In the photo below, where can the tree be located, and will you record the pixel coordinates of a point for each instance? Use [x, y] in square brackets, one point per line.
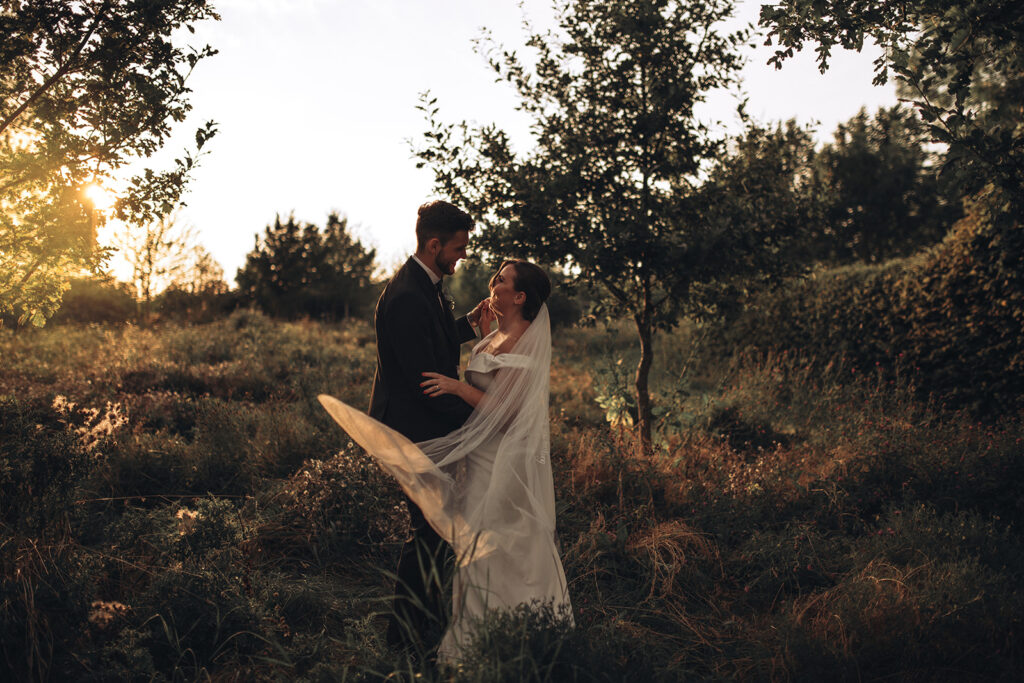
[610, 190]
[870, 195]
[298, 269]
[345, 271]
[768, 182]
[962, 65]
[159, 254]
[198, 292]
[203, 275]
[882, 194]
[85, 88]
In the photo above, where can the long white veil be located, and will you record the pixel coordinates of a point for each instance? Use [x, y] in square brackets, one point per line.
[511, 507]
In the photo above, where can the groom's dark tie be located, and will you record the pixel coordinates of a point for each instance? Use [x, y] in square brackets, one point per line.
[440, 295]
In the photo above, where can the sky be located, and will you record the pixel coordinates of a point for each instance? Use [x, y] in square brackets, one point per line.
[315, 102]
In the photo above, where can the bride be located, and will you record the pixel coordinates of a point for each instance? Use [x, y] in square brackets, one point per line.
[487, 488]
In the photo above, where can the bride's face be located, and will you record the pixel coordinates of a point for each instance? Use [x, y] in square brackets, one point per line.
[504, 296]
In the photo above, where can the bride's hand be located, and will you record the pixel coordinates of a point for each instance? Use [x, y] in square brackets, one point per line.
[437, 384]
[486, 317]
[476, 316]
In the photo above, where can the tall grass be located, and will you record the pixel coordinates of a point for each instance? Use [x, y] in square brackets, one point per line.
[177, 507]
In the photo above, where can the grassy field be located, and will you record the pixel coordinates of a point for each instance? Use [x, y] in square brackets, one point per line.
[176, 506]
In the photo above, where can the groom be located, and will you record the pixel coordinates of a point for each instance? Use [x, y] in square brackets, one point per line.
[417, 333]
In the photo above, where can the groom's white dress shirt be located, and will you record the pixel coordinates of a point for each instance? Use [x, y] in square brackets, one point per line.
[434, 279]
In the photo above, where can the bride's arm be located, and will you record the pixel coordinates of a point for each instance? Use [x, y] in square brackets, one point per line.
[437, 384]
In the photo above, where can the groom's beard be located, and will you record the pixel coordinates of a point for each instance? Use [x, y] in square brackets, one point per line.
[446, 267]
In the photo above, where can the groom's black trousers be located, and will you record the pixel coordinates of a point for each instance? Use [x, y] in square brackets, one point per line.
[419, 613]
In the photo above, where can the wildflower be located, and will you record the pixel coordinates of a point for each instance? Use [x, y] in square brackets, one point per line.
[186, 520]
[62, 405]
[102, 614]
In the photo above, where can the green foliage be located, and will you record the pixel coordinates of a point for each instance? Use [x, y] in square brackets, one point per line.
[883, 196]
[45, 593]
[806, 520]
[41, 464]
[538, 643]
[951, 315]
[336, 505]
[871, 194]
[300, 270]
[608, 189]
[45, 585]
[85, 88]
[961, 64]
[939, 604]
[95, 300]
[760, 196]
[202, 305]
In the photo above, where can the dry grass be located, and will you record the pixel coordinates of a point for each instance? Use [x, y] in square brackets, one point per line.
[796, 525]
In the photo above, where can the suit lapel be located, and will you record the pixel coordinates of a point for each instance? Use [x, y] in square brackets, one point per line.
[443, 314]
[448, 322]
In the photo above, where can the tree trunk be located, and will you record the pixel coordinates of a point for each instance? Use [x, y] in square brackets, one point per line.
[645, 330]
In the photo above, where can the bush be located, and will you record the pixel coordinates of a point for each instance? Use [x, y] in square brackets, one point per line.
[41, 463]
[205, 306]
[801, 519]
[96, 300]
[206, 445]
[46, 590]
[940, 581]
[538, 643]
[194, 616]
[334, 507]
[952, 315]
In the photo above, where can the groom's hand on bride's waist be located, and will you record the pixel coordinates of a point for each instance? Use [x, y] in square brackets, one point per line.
[437, 384]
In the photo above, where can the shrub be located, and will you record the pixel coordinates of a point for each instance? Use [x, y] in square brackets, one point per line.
[96, 300]
[952, 314]
[332, 507]
[41, 463]
[204, 306]
[213, 525]
[538, 643]
[744, 434]
[195, 615]
[936, 607]
[802, 519]
[46, 590]
[217, 456]
[165, 411]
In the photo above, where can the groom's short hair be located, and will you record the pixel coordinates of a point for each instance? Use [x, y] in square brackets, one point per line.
[441, 220]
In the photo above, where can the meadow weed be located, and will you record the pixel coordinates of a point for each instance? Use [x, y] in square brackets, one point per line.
[177, 506]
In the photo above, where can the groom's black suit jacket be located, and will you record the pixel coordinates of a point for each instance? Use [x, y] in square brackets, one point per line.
[415, 334]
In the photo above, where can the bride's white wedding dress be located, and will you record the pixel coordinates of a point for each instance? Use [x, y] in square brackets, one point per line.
[486, 488]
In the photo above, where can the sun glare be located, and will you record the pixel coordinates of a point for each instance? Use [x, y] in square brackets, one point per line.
[21, 139]
[101, 199]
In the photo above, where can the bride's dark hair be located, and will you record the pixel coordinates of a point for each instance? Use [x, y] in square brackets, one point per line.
[532, 281]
